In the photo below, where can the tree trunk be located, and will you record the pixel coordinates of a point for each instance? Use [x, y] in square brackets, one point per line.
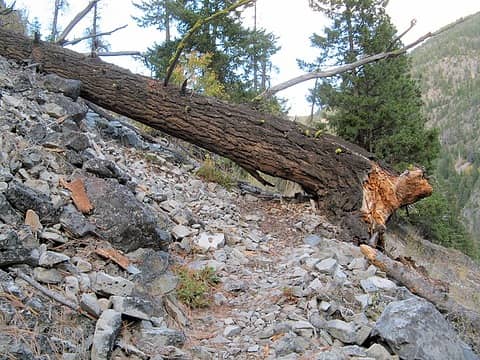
[345, 179]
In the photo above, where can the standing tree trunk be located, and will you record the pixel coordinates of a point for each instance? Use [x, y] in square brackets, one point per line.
[345, 179]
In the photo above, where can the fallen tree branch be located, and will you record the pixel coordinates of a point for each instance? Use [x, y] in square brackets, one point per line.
[120, 53]
[76, 41]
[422, 286]
[347, 67]
[173, 60]
[50, 293]
[75, 21]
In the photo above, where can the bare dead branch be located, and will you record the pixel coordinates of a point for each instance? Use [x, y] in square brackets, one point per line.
[119, 53]
[76, 41]
[399, 37]
[75, 21]
[347, 67]
[50, 293]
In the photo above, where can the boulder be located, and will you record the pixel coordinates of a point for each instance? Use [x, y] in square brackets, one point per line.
[122, 220]
[415, 329]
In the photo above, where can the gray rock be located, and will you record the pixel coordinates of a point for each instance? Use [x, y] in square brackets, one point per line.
[180, 231]
[90, 304]
[150, 340]
[8, 238]
[378, 352]
[75, 222]
[312, 240]
[75, 111]
[72, 287]
[376, 283]
[232, 285]
[47, 276]
[111, 285]
[331, 355]
[154, 280]
[51, 258]
[343, 331]
[106, 332]
[67, 87]
[24, 198]
[133, 306]
[231, 331]
[290, 343]
[83, 265]
[19, 255]
[104, 169]
[326, 266]
[77, 141]
[122, 220]
[415, 329]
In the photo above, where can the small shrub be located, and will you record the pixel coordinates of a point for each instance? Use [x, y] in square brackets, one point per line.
[211, 172]
[194, 287]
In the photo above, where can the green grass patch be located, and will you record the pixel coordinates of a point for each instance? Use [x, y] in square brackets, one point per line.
[210, 171]
[195, 287]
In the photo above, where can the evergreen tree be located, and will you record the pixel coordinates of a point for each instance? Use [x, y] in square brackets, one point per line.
[35, 27]
[227, 43]
[377, 106]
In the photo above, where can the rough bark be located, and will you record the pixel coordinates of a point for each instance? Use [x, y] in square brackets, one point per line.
[346, 180]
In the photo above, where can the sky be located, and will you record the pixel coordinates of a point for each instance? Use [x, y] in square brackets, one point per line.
[291, 20]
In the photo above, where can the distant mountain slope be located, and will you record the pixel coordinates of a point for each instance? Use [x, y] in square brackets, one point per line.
[448, 67]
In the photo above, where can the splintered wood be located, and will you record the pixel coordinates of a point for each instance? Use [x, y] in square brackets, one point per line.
[79, 195]
[383, 193]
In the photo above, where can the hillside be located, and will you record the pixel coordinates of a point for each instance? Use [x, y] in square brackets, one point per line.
[448, 67]
[112, 247]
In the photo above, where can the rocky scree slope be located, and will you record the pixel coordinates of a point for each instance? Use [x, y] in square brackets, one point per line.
[101, 284]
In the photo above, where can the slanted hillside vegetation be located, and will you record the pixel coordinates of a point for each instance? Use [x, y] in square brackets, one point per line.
[448, 69]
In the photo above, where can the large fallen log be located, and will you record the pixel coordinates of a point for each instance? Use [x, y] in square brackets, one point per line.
[346, 180]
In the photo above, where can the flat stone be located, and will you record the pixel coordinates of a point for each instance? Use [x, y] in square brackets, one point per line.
[253, 348]
[378, 352]
[312, 240]
[47, 276]
[343, 331]
[150, 340]
[358, 264]
[326, 266]
[54, 236]
[111, 285]
[106, 331]
[180, 231]
[133, 306]
[90, 304]
[231, 331]
[33, 220]
[83, 265]
[51, 258]
[376, 283]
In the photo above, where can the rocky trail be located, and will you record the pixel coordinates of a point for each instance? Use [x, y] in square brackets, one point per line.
[100, 226]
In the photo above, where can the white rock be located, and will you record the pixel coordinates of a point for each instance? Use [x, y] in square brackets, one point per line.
[375, 283]
[327, 266]
[207, 241]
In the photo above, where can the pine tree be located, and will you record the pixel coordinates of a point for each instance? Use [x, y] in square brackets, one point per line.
[377, 106]
[227, 43]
